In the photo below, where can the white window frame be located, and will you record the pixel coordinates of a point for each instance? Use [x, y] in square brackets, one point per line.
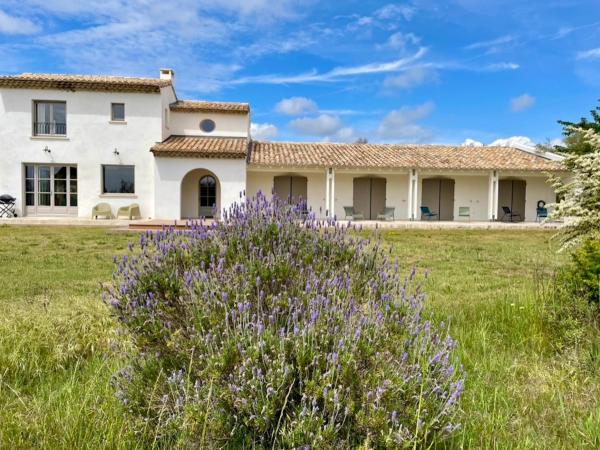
[51, 123]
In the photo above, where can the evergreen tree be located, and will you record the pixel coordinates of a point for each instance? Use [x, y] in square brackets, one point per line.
[575, 143]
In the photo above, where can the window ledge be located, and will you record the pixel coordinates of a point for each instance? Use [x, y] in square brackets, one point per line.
[117, 195]
[118, 122]
[49, 138]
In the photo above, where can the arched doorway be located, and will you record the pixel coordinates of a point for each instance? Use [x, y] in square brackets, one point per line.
[438, 196]
[200, 194]
[369, 196]
[290, 188]
[511, 195]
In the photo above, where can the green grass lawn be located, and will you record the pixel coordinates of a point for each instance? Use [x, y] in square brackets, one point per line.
[533, 369]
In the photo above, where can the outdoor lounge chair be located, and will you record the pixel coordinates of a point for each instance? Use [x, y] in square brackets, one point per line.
[7, 206]
[349, 212]
[541, 212]
[464, 212]
[386, 214]
[425, 212]
[510, 214]
[102, 210]
[130, 212]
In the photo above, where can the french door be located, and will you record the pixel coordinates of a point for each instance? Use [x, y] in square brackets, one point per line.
[50, 189]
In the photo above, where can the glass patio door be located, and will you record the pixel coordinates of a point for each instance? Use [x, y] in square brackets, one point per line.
[50, 189]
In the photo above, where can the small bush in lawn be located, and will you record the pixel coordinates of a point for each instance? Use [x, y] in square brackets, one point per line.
[582, 276]
[271, 330]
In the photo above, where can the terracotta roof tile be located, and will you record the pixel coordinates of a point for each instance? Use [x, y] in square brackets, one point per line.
[202, 106]
[202, 147]
[297, 154]
[83, 83]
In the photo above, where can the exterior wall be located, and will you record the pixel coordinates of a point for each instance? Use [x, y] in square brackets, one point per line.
[188, 123]
[90, 142]
[396, 192]
[315, 187]
[167, 97]
[472, 191]
[169, 175]
[537, 189]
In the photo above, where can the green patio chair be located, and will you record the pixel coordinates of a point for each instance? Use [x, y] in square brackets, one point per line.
[351, 213]
[426, 212]
[102, 210]
[130, 212]
[464, 212]
[386, 214]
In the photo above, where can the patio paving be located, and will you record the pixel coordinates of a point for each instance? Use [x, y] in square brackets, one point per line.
[155, 224]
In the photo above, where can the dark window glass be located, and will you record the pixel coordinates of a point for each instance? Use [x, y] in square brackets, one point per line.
[60, 199]
[208, 191]
[118, 180]
[207, 125]
[44, 199]
[60, 172]
[44, 172]
[118, 111]
[73, 173]
[30, 199]
[29, 171]
[73, 199]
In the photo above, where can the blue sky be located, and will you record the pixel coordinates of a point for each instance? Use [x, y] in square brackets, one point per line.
[415, 71]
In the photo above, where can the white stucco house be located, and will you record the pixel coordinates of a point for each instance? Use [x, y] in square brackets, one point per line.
[69, 142]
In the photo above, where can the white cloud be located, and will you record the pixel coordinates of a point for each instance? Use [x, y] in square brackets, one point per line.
[491, 43]
[346, 134]
[522, 102]
[402, 123]
[471, 143]
[497, 67]
[393, 11]
[335, 74]
[135, 37]
[411, 78]
[589, 54]
[514, 141]
[399, 40]
[296, 106]
[322, 126]
[263, 131]
[16, 25]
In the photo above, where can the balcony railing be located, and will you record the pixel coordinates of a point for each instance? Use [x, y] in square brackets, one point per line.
[49, 128]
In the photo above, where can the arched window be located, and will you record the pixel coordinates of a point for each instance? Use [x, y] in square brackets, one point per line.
[208, 191]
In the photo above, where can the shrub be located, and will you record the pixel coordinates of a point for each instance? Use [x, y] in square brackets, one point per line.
[270, 329]
[582, 276]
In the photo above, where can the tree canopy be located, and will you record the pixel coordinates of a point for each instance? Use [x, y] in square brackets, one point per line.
[575, 142]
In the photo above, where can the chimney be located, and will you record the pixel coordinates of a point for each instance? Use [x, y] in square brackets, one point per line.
[168, 74]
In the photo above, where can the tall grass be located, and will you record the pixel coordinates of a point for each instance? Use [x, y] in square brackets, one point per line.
[533, 365]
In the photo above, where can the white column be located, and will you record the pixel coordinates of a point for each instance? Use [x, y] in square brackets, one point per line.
[327, 193]
[493, 196]
[409, 206]
[332, 201]
[413, 194]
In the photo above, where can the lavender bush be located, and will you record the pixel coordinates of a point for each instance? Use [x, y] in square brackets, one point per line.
[271, 330]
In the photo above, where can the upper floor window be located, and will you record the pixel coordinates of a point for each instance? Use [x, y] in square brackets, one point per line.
[117, 112]
[50, 118]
